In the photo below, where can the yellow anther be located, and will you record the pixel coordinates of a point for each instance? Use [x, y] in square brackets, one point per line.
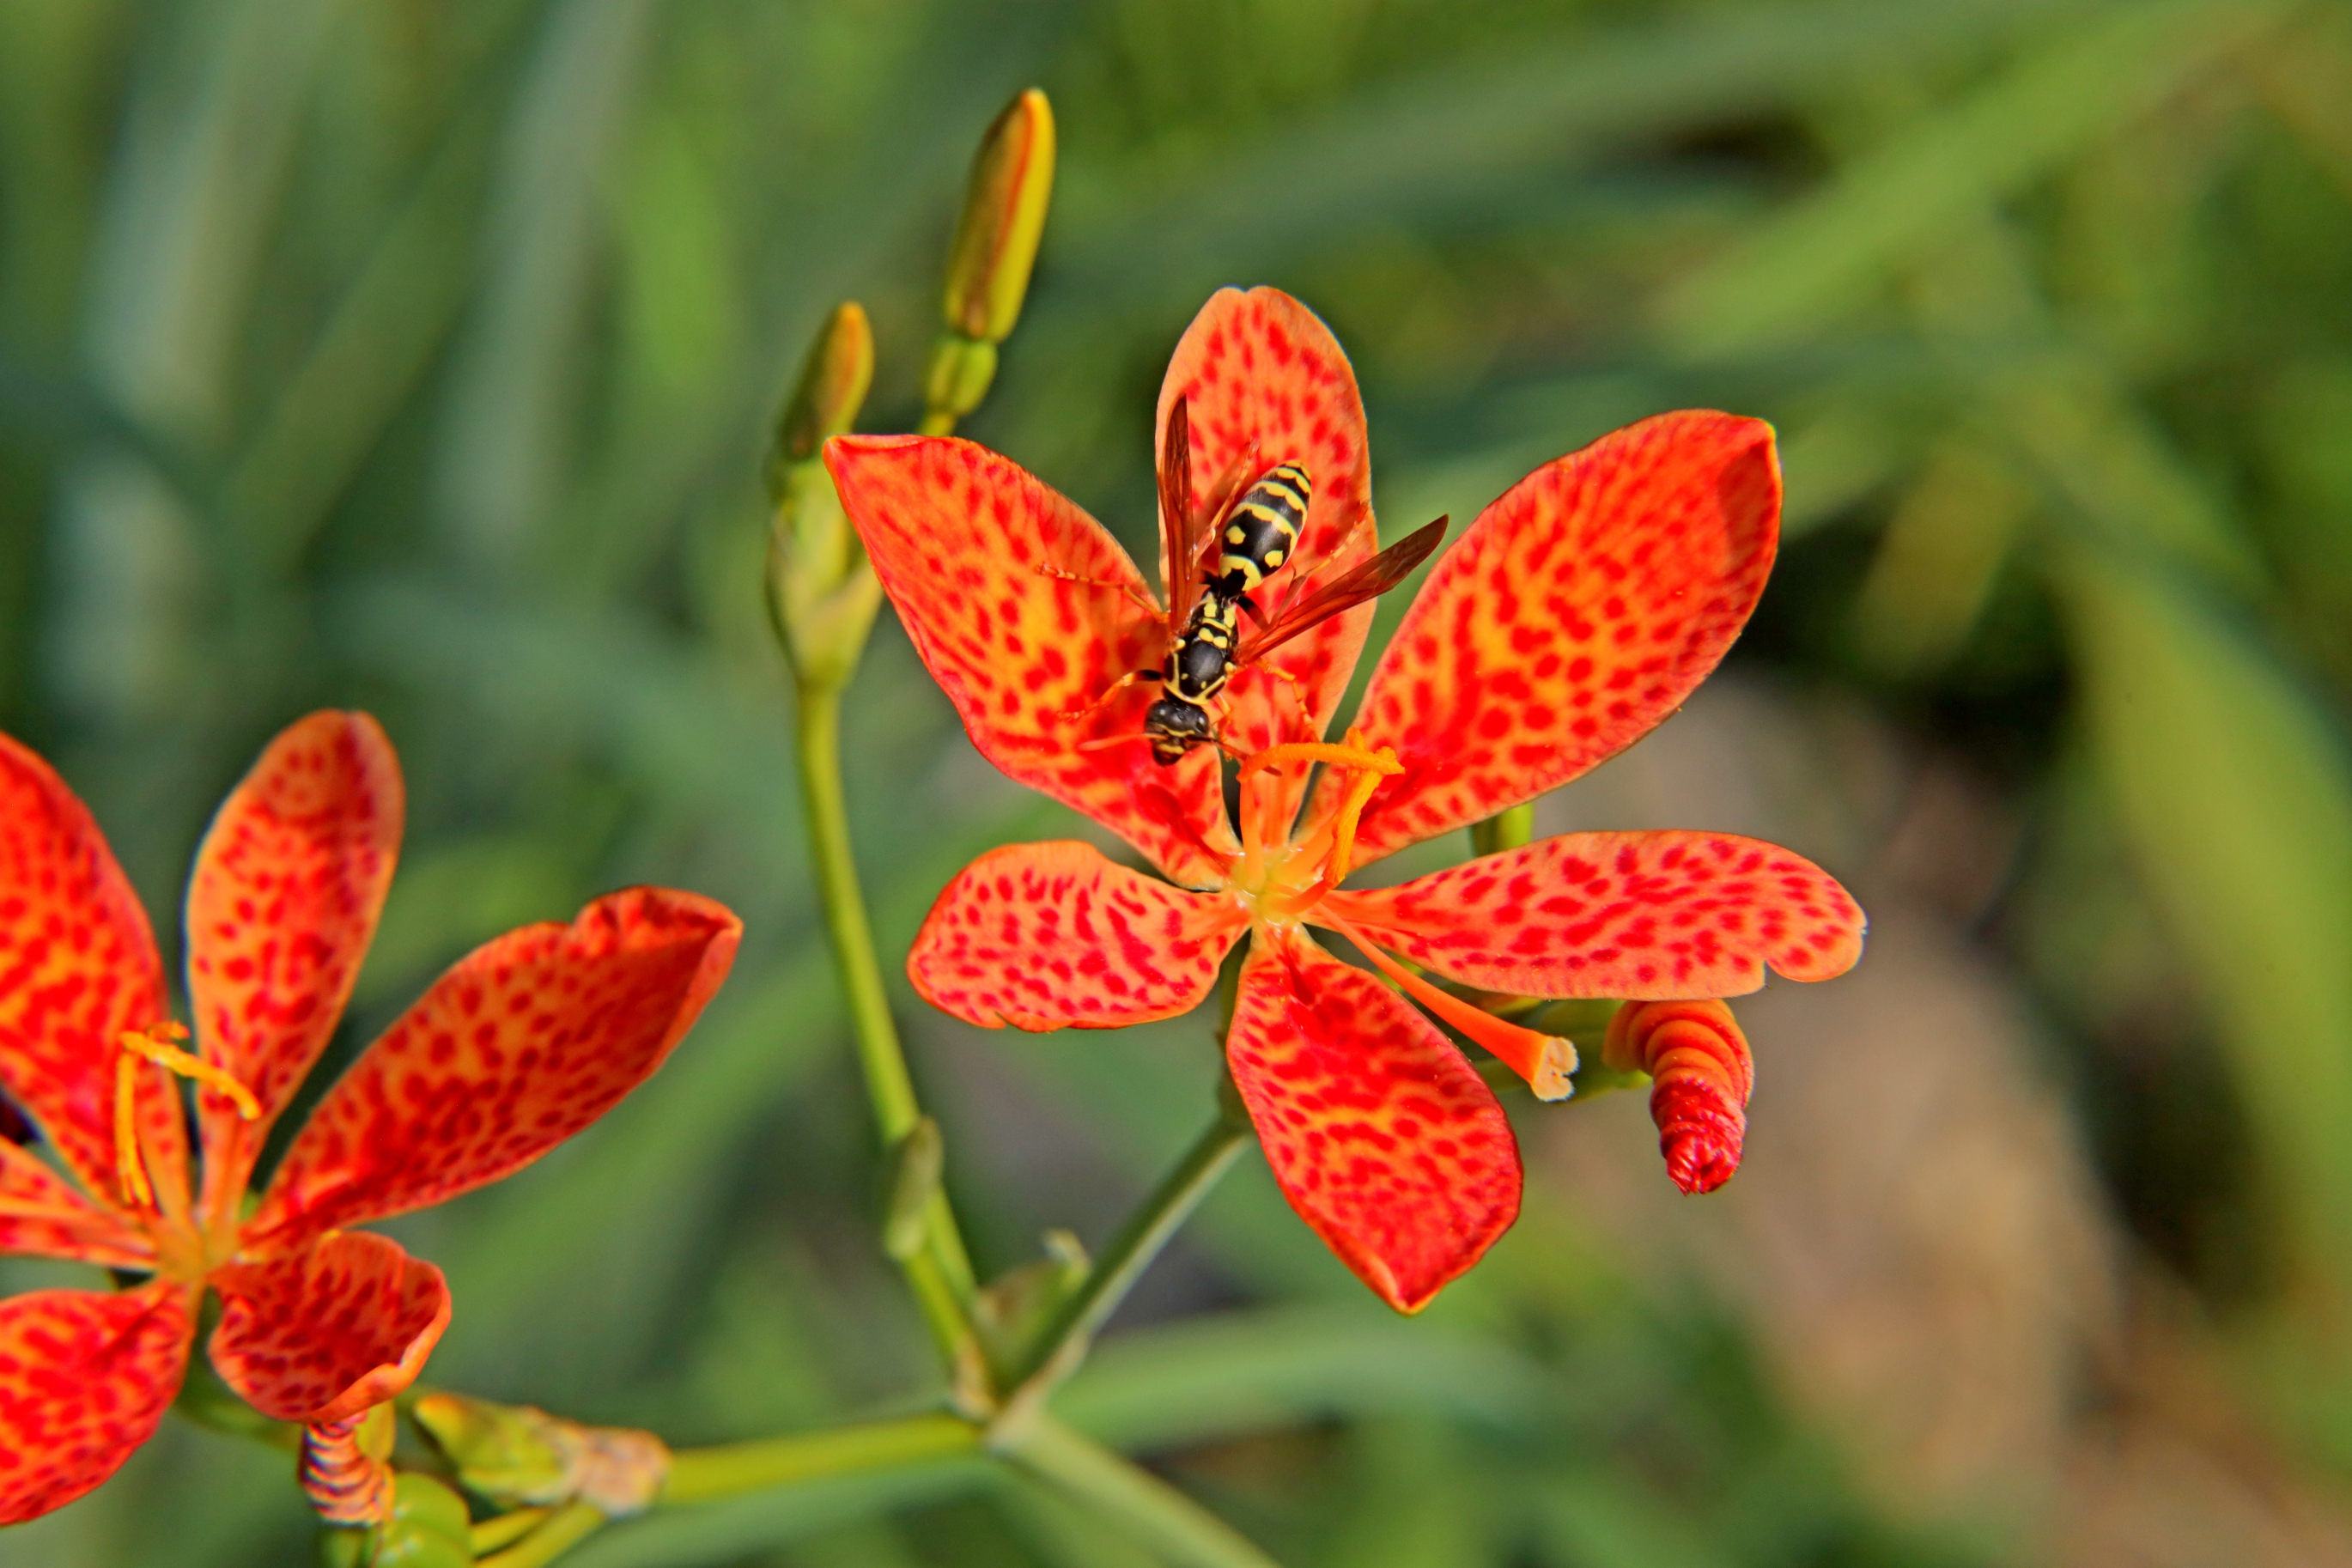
[187, 1064]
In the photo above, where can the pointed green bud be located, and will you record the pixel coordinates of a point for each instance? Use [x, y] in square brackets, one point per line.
[915, 1172]
[834, 379]
[498, 1451]
[822, 597]
[1004, 215]
[518, 1454]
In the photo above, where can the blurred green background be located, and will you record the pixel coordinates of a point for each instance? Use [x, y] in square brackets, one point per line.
[416, 354]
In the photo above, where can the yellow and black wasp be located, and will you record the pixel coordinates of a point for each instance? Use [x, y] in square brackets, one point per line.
[1254, 537]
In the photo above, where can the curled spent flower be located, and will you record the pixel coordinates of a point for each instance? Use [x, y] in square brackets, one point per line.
[518, 1047]
[1700, 1077]
[1575, 614]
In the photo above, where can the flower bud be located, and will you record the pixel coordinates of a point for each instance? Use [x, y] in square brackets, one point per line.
[834, 379]
[957, 378]
[822, 597]
[1004, 215]
[1700, 1075]
[916, 1167]
[517, 1454]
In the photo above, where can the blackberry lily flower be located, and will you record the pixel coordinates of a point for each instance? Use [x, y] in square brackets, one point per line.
[522, 1044]
[1575, 614]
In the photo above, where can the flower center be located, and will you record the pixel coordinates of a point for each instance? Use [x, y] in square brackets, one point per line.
[1294, 879]
[155, 1044]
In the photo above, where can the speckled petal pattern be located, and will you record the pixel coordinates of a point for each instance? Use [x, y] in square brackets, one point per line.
[1619, 914]
[42, 1216]
[77, 970]
[1383, 1138]
[1028, 613]
[281, 907]
[523, 1043]
[84, 1378]
[1571, 617]
[320, 1335]
[1043, 936]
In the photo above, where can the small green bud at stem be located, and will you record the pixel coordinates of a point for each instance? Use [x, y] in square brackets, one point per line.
[914, 1182]
[1004, 215]
[834, 379]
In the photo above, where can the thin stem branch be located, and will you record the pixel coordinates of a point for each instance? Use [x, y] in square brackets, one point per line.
[1147, 1507]
[565, 1528]
[705, 1475]
[1149, 1229]
[887, 1082]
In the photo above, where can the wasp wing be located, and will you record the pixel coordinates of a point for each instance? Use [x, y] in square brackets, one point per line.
[1369, 580]
[1179, 525]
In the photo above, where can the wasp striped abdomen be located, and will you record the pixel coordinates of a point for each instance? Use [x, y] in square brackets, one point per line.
[1261, 534]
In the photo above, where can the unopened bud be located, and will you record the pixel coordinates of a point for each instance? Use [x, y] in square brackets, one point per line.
[821, 594]
[834, 379]
[518, 1454]
[1701, 1073]
[1004, 215]
[915, 1174]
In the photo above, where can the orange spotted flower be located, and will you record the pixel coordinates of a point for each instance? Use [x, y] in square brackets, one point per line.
[520, 1046]
[1574, 615]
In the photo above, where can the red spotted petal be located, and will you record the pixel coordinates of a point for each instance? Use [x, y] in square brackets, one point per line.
[1041, 936]
[1385, 1139]
[1265, 382]
[84, 1378]
[1028, 613]
[1701, 1075]
[524, 1042]
[77, 970]
[280, 910]
[1619, 914]
[42, 1214]
[1574, 615]
[321, 1334]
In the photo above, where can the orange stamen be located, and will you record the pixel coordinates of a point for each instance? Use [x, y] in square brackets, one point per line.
[129, 1171]
[154, 1044]
[1370, 768]
[1546, 1061]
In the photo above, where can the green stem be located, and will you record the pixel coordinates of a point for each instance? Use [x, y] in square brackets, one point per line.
[565, 1528]
[888, 1083]
[1147, 1230]
[936, 422]
[941, 1273]
[1509, 830]
[1147, 1507]
[705, 1475]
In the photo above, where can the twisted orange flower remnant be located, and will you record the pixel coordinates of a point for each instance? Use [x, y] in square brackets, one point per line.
[1573, 616]
[519, 1046]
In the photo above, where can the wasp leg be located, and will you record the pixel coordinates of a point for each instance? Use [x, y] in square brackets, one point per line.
[1121, 684]
[1150, 605]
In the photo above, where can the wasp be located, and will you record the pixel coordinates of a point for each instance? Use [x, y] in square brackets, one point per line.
[1254, 537]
